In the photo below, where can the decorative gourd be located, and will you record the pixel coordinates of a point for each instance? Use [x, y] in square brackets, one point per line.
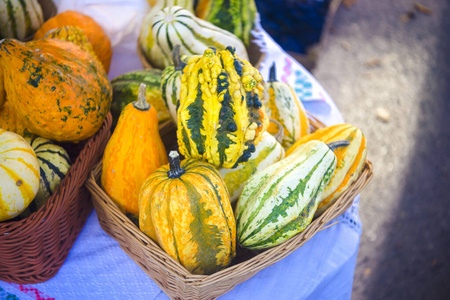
[94, 32]
[54, 163]
[285, 107]
[134, 151]
[19, 174]
[58, 91]
[237, 17]
[280, 201]
[268, 151]
[20, 19]
[2, 89]
[350, 160]
[126, 89]
[221, 117]
[187, 210]
[177, 26]
[9, 120]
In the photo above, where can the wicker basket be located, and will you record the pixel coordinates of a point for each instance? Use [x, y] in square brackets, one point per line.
[33, 249]
[173, 278]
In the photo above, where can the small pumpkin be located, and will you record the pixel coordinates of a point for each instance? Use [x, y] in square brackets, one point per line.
[57, 90]
[9, 120]
[186, 208]
[221, 117]
[285, 107]
[134, 151]
[95, 34]
[19, 175]
[20, 19]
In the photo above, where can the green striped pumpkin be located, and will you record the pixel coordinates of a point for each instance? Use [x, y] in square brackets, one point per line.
[177, 26]
[126, 89]
[20, 19]
[280, 201]
[54, 163]
[237, 17]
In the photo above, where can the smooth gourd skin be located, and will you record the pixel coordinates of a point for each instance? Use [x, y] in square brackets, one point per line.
[350, 159]
[221, 116]
[19, 175]
[58, 91]
[190, 216]
[20, 19]
[280, 201]
[97, 37]
[134, 151]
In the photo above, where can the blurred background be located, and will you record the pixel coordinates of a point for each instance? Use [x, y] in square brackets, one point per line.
[386, 65]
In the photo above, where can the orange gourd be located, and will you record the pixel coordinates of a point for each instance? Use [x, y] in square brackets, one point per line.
[2, 90]
[9, 120]
[134, 151]
[94, 32]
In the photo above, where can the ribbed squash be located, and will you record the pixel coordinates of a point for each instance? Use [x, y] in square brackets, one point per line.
[186, 208]
[19, 175]
[58, 91]
[267, 152]
[350, 160]
[221, 116]
[126, 89]
[237, 17]
[54, 163]
[280, 201]
[20, 19]
[9, 120]
[97, 37]
[285, 107]
[134, 151]
[177, 26]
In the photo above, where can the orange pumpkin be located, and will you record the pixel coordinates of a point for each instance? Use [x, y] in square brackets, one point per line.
[94, 32]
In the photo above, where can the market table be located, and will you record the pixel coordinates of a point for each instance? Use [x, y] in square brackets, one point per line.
[97, 268]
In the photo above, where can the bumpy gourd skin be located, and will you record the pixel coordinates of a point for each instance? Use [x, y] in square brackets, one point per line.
[221, 116]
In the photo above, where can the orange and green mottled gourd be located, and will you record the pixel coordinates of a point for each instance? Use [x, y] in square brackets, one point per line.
[9, 120]
[19, 175]
[221, 114]
[350, 160]
[58, 91]
[285, 107]
[2, 89]
[134, 151]
[95, 34]
[188, 208]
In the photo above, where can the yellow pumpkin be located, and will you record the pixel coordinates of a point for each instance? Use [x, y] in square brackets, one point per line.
[19, 175]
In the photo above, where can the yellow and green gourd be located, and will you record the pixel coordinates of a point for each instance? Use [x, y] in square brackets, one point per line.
[221, 117]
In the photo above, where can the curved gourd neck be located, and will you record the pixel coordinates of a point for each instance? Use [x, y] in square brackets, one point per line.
[175, 170]
[177, 62]
[338, 144]
[142, 103]
[273, 73]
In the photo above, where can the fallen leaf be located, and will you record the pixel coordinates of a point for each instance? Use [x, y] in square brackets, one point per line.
[405, 18]
[373, 62]
[423, 9]
[383, 114]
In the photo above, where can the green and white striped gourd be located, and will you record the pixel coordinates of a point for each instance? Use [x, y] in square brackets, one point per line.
[280, 201]
[177, 26]
[54, 163]
[237, 17]
[267, 152]
[20, 19]
[285, 107]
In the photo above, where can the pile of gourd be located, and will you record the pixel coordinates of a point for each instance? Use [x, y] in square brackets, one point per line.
[54, 92]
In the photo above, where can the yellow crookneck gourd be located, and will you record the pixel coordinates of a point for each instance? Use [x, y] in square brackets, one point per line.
[134, 151]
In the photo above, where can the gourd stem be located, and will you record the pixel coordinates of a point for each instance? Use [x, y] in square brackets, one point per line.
[179, 65]
[338, 144]
[142, 103]
[273, 73]
[175, 170]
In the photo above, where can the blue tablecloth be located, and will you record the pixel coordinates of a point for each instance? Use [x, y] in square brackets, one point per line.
[97, 268]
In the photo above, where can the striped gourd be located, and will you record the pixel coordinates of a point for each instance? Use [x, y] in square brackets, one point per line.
[186, 208]
[177, 26]
[285, 107]
[19, 175]
[280, 201]
[237, 17]
[221, 116]
[126, 89]
[20, 19]
[54, 163]
[268, 151]
[9, 120]
[350, 160]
